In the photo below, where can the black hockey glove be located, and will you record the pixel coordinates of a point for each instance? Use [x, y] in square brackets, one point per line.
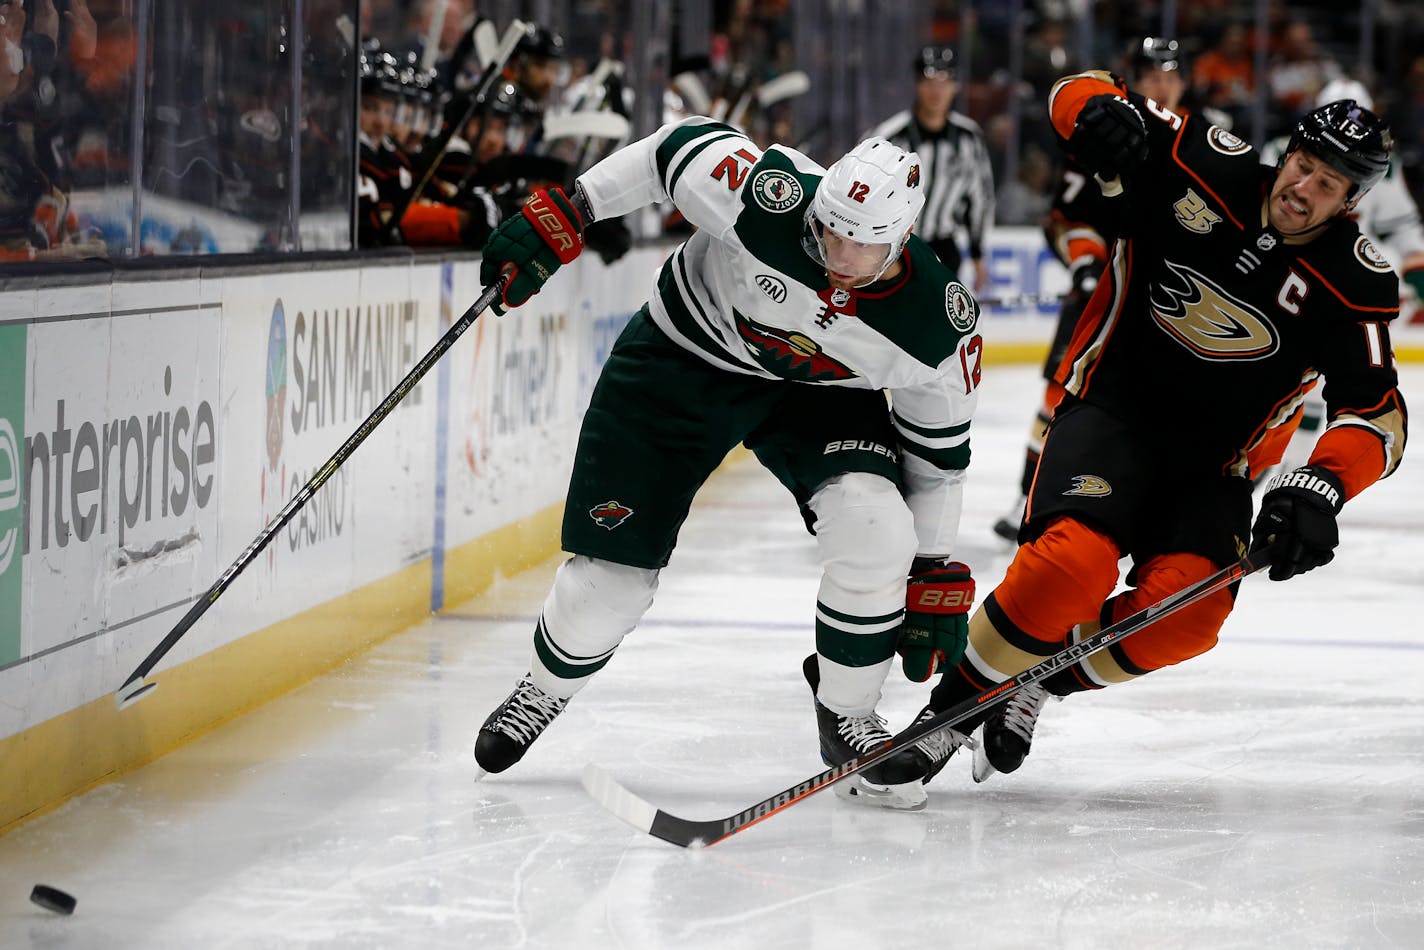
[935, 630]
[609, 238]
[532, 245]
[1297, 519]
[1109, 138]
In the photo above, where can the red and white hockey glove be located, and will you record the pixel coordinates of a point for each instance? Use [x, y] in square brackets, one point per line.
[935, 630]
[532, 245]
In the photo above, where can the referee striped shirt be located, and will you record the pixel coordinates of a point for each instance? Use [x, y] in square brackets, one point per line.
[958, 182]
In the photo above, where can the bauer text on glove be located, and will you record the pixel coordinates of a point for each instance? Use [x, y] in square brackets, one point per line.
[935, 630]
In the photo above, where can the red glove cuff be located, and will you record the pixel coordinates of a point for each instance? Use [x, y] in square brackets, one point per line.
[944, 590]
[556, 221]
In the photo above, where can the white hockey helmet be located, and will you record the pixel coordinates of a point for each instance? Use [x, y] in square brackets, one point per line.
[871, 196]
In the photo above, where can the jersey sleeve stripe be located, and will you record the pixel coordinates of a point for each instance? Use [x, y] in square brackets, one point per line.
[956, 458]
[697, 148]
[683, 136]
[683, 310]
[929, 432]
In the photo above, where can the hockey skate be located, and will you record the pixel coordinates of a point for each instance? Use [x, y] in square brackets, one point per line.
[894, 783]
[1007, 527]
[1008, 732]
[514, 725]
[940, 746]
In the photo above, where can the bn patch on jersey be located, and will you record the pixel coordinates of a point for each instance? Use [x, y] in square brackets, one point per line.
[1370, 256]
[776, 191]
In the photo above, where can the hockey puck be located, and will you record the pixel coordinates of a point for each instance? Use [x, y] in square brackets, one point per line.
[52, 898]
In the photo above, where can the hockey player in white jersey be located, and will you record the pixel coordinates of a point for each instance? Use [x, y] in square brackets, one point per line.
[801, 301]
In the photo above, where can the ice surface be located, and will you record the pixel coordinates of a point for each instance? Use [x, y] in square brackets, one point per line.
[1268, 794]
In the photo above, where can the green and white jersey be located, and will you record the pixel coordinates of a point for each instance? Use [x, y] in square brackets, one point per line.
[743, 294]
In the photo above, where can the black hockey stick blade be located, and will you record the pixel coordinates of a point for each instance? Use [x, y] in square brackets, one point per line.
[693, 833]
[134, 688]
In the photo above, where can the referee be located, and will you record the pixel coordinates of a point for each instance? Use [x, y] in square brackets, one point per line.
[959, 185]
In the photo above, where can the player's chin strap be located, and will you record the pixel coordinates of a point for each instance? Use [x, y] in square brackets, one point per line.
[687, 832]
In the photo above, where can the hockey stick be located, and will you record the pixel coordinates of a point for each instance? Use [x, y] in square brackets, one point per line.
[436, 149]
[785, 86]
[689, 832]
[586, 124]
[134, 688]
[1010, 301]
[693, 92]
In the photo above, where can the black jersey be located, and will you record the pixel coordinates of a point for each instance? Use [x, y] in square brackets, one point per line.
[1209, 324]
[383, 186]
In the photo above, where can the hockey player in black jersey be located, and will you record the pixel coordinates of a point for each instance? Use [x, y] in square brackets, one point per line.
[1080, 229]
[1231, 286]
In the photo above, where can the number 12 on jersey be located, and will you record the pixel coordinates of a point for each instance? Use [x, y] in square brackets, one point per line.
[731, 171]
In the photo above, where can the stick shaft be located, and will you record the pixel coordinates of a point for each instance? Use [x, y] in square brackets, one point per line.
[304, 494]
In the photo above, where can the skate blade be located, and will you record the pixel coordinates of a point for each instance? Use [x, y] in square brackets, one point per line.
[983, 770]
[907, 797]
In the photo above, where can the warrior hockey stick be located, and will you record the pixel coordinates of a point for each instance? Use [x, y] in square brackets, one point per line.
[688, 832]
[134, 688]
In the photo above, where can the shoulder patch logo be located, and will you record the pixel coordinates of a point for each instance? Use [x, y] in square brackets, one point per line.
[960, 307]
[913, 178]
[776, 191]
[1194, 215]
[1224, 142]
[773, 286]
[1370, 256]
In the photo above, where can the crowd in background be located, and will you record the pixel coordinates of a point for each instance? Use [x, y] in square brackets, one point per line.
[221, 127]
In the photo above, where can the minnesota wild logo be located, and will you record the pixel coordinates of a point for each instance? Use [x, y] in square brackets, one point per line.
[913, 178]
[789, 354]
[610, 514]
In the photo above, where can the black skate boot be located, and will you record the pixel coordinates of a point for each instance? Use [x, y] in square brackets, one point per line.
[1007, 527]
[895, 782]
[940, 746]
[1008, 732]
[512, 728]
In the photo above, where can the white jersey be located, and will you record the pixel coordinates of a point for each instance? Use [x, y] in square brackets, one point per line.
[743, 295]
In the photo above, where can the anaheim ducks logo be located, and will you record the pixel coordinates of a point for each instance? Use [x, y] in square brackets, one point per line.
[1207, 320]
[1089, 485]
[790, 355]
[610, 514]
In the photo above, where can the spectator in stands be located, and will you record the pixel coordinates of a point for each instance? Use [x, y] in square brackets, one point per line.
[393, 206]
[1224, 75]
[1298, 73]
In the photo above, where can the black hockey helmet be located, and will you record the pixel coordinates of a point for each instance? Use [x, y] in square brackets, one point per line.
[380, 72]
[1349, 138]
[542, 43]
[935, 60]
[1154, 52]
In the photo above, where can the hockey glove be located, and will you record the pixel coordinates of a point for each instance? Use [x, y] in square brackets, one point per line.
[1083, 277]
[532, 245]
[1109, 138]
[935, 630]
[1297, 519]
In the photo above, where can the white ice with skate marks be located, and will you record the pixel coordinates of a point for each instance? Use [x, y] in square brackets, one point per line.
[1267, 794]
